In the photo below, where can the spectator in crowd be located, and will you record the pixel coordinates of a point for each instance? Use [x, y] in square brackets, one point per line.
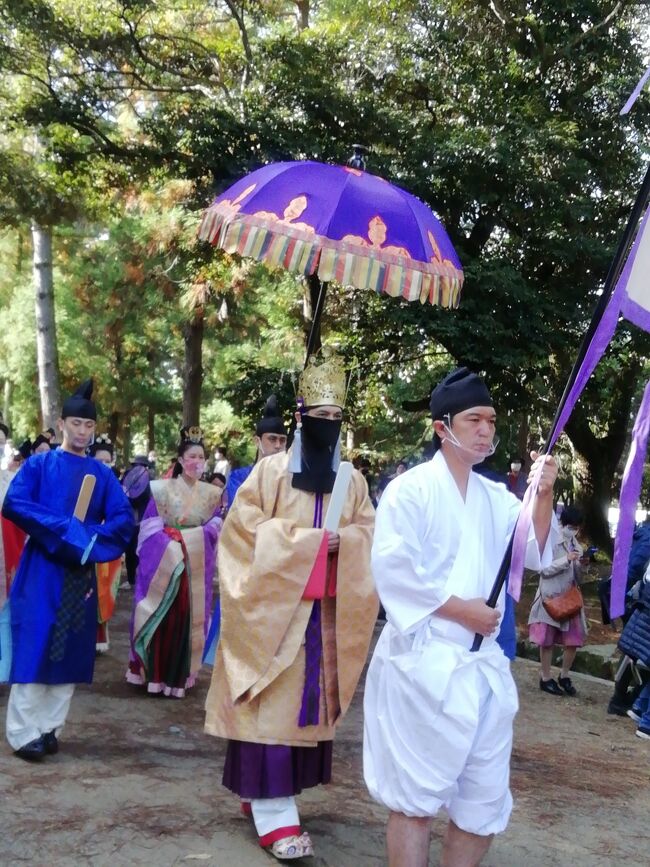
[516, 478]
[554, 580]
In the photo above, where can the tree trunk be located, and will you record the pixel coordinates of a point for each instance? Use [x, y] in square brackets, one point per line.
[303, 14]
[6, 402]
[114, 426]
[593, 483]
[598, 457]
[126, 438]
[193, 369]
[523, 433]
[46, 350]
[151, 429]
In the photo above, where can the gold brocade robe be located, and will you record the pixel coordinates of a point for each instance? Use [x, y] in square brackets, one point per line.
[266, 552]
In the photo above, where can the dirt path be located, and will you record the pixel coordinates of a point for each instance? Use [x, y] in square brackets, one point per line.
[138, 783]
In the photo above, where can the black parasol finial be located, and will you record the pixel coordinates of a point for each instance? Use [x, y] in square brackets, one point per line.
[358, 158]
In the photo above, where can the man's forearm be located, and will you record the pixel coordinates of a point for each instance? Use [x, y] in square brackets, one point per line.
[453, 609]
[542, 513]
[473, 614]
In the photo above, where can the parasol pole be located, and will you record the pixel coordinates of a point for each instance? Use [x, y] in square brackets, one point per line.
[317, 293]
[611, 280]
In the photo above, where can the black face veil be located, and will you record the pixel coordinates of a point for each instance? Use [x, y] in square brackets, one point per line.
[318, 441]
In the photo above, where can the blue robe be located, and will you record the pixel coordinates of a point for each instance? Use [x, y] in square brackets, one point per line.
[235, 479]
[41, 500]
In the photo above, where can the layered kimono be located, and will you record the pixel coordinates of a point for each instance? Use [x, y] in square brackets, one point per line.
[177, 547]
[53, 598]
[12, 542]
[108, 582]
[428, 699]
[287, 667]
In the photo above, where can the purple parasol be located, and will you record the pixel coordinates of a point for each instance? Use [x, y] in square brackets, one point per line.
[341, 224]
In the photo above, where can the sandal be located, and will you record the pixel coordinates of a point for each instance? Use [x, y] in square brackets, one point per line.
[292, 847]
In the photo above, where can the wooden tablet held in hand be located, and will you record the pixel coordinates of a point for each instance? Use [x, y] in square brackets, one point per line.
[83, 499]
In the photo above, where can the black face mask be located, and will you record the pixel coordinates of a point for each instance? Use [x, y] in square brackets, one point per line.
[319, 437]
[320, 432]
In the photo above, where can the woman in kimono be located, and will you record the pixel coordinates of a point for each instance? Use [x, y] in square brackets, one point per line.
[108, 574]
[173, 587]
[547, 633]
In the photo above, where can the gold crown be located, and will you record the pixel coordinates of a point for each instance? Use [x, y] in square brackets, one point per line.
[323, 383]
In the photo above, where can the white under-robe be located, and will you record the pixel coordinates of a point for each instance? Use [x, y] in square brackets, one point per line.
[437, 718]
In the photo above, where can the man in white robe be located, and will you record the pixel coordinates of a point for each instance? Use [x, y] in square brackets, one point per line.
[438, 718]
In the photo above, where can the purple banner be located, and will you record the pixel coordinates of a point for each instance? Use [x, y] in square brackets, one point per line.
[636, 92]
[630, 491]
[618, 304]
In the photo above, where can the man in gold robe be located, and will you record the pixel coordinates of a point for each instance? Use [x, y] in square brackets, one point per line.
[291, 652]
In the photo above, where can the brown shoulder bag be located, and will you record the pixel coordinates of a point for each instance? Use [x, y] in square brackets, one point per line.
[566, 605]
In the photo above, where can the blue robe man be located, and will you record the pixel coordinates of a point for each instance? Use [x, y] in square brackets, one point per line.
[270, 438]
[53, 599]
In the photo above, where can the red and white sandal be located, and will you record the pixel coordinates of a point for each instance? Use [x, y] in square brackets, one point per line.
[292, 847]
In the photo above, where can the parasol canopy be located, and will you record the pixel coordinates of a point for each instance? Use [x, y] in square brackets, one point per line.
[339, 224]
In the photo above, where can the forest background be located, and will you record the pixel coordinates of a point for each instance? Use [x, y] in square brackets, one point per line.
[122, 120]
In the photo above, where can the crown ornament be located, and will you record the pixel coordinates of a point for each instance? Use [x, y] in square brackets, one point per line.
[193, 434]
[323, 381]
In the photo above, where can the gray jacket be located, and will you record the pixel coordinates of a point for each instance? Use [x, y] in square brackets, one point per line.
[555, 579]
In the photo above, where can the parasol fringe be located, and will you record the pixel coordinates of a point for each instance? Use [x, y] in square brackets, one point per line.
[304, 253]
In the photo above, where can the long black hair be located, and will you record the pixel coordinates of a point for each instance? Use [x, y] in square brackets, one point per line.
[571, 516]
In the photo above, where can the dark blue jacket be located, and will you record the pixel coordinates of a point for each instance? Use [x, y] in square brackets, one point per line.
[635, 638]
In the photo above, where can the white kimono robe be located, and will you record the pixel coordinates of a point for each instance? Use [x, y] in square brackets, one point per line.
[438, 719]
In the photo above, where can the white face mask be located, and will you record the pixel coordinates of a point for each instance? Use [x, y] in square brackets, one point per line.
[193, 467]
[480, 456]
[568, 533]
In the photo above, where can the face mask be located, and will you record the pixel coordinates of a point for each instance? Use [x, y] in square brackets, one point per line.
[515, 467]
[480, 456]
[567, 533]
[193, 468]
[322, 432]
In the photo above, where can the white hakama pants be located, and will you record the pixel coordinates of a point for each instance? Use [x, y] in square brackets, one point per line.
[275, 818]
[34, 709]
[438, 730]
